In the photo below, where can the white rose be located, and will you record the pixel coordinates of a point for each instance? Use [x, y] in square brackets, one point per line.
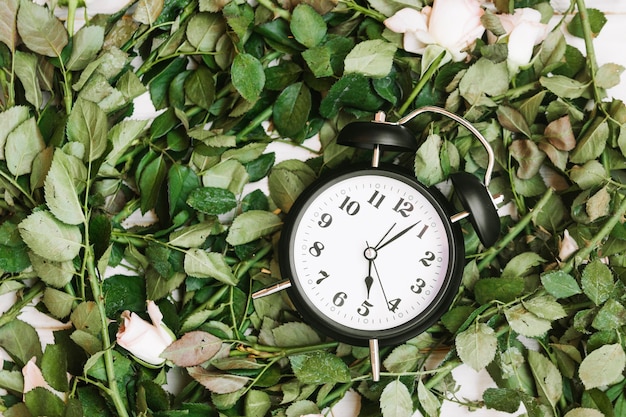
[146, 341]
[452, 24]
[524, 30]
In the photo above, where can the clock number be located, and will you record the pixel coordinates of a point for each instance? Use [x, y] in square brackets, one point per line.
[350, 207]
[316, 249]
[324, 275]
[325, 220]
[421, 233]
[403, 207]
[340, 298]
[393, 304]
[364, 310]
[428, 259]
[376, 199]
[418, 286]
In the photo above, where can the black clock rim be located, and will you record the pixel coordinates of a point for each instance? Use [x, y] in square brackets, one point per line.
[396, 334]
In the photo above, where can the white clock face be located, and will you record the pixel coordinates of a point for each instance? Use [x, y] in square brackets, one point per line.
[370, 252]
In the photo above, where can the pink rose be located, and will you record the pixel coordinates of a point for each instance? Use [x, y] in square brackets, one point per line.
[452, 24]
[524, 30]
[146, 341]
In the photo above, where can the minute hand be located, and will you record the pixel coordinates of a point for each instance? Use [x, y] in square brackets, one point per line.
[391, 239]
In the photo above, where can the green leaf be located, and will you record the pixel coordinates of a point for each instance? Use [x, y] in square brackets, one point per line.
[502, 399]
[596, 21]
[307, 26]
[603, 366]
[597, 282]
[54, 273]
[212, 200]
[477, 345]
[403, 358]
[22, 146]
[429, 401]
[560, 284]
[257, 403]
[202, 264]
[122, 136]
[200, 87]
[252, 225]
[49, 238]
[484, 78]
[9, 120]
[395, 400]
[611, 316]
[547, 377]
[501, 289]
[63, 185]
[40, 31]
[86, 44]
[608, 75]
[287, 180]
[521, 265]
[86, 317]
[147, 11]
[123, 293]
[204, 30]
[54, 367]
[159, 85]
[526, 323]
[564, 87]
[26, 71]
[427, 163]
[181, 181]
[42, 402]
[291, 110]
[545, 307]
[592, 143]
[295, 334]
[218, 382]
[248, 76]
[351, 91]
[151, 181]
[372, 58]
[8, 19]
[58, 303]
[193, 348]
[584, 412]
[20, 340]
[14, 258]
[230, 175]
[513, 120]
[195, 235]
[87, 125]
[319, 367]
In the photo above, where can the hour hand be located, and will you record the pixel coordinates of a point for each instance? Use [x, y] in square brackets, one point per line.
[369, 280]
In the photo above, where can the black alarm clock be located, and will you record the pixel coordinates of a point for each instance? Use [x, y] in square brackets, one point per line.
[370, 255]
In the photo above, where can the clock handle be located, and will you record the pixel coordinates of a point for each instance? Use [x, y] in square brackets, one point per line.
[479, 204]
[432, 109]
[375, 359]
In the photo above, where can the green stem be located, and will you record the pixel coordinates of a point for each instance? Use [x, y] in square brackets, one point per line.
[591, 53]
[421, 83]
[112, 390]
[12, 313]
[594, 243]
[278, 11]
[15, 184]
[515, 231]
[260, 118]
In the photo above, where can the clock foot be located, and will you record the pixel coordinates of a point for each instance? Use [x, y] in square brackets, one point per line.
[375, 359]
[273, 289]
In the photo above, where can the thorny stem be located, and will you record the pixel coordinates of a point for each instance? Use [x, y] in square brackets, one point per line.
[591, 54]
